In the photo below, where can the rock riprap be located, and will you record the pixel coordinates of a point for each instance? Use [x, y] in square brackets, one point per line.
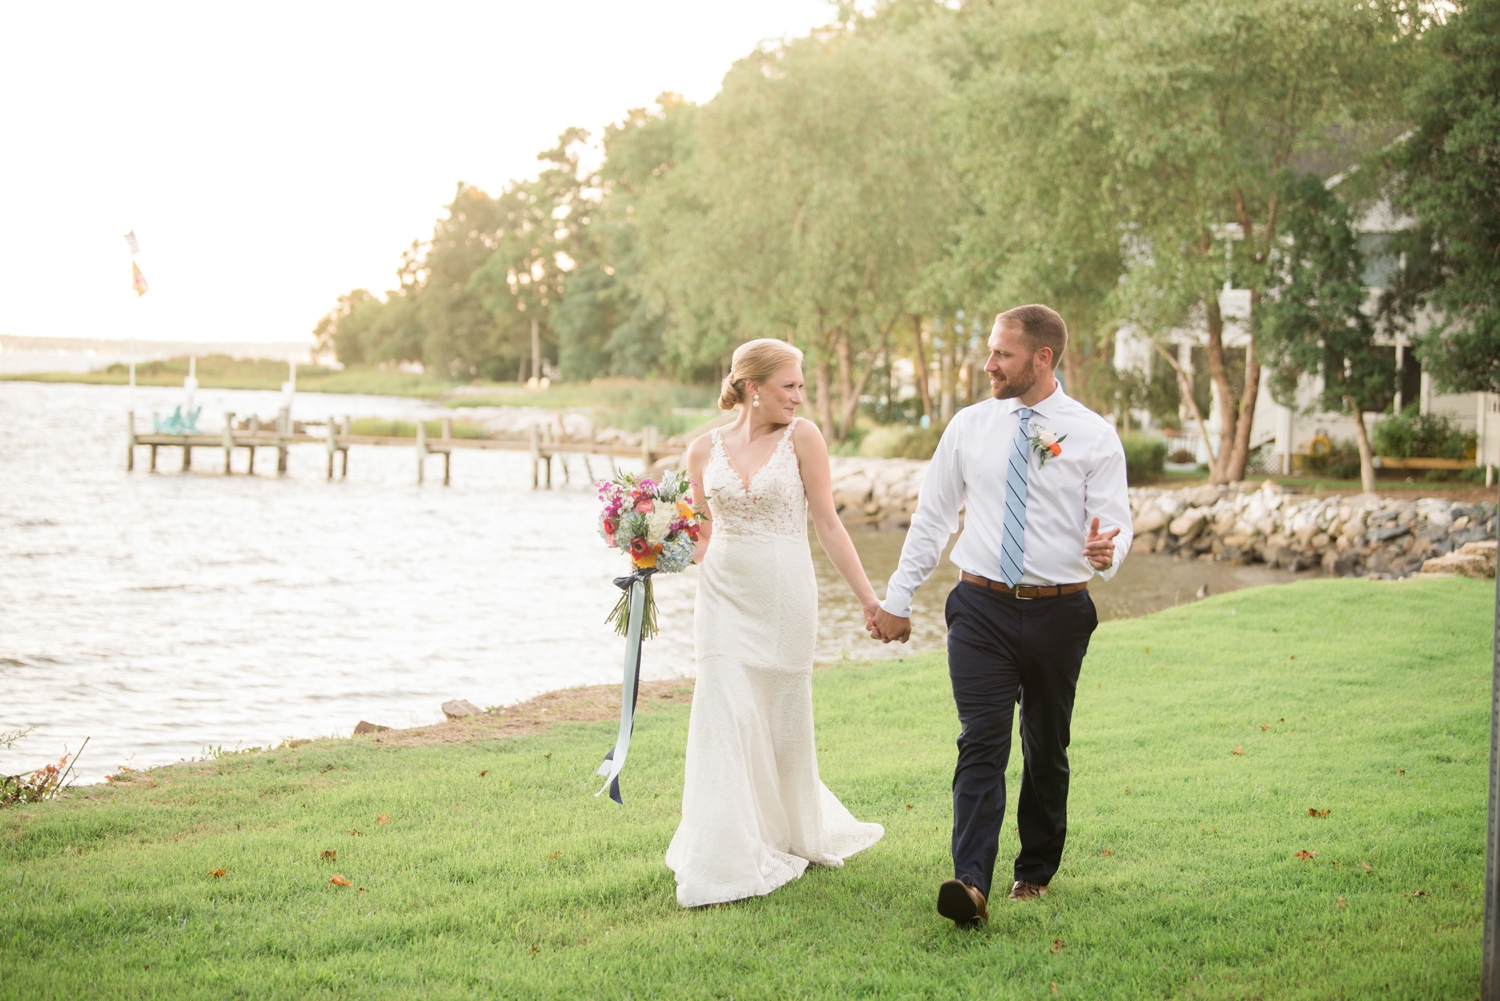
[1360, 535]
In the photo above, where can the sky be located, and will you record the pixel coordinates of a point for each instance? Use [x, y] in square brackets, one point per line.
[271, 156]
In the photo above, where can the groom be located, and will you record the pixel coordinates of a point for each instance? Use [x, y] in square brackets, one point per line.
[1037, 473]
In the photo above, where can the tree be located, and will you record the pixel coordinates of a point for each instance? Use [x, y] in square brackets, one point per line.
[1208, 103]
[817, 191]
[542, 231]
[1312, 320]
[1446, 173]
[339, 329]
[607, 320]
[1042, 222]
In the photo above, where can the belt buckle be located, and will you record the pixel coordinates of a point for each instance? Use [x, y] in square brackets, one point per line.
[1016, 592]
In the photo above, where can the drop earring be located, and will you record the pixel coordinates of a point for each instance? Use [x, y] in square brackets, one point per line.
[755, 402]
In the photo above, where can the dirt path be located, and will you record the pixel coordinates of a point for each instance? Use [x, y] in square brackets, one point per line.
[592, 704]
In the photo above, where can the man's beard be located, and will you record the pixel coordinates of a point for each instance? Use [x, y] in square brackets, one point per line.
[1012, 388]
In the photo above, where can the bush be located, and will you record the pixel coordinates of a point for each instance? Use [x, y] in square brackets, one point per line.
[1145, 458]
[1181, 457]
[892, 441]
[1339, 462]
[1421, 436]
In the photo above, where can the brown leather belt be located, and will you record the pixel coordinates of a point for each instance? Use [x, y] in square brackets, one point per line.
[1023, 591]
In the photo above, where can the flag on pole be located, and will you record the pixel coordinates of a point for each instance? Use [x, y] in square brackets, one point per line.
[135, 246]
[137, 279]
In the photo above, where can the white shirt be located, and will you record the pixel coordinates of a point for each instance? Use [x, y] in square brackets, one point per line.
[1085, 481]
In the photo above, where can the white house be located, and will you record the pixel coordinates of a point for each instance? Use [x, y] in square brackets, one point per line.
[1285, 430]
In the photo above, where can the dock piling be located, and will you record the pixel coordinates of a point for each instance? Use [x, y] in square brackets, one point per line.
[648, 445]
[421, 450]
[536, 456]
[129, 441]
[228, 440]
[333, 444]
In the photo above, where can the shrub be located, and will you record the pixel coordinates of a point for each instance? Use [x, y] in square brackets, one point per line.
[1420, 436]
[1145, 458]
[885, 442]
[1339, 462]
[1181, 457]
[922, 442]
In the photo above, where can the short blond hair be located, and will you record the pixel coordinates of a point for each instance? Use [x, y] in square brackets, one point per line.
[1041, 326]
[755, 361]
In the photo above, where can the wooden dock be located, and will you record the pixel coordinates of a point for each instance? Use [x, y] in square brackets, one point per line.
[337, 440]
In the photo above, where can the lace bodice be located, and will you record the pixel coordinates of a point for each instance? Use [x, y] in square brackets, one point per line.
[772, 503]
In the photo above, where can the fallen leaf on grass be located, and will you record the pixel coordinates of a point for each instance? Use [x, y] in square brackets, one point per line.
[382, 819]
[326, 770]
[360, 890]
[1366, 867]
[533, 950]
[1054, 987]
[1057, 945]
[216, 873]
[555, 855]
[1282, 720]
[484, 773]
[1336, 864]
[1238, 750]
[1148, 649]
[1107, 851]
[1313, 812]
[329, 854]
[1342, 903]
[911, 806]
[1294, 656]
[547, 755]
[1305, 854]
[1419, 893]
[1401, 771]
[1265, 726]
[354, 832]
[341, 881]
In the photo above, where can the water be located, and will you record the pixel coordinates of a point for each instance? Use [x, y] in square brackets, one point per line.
[162, 615]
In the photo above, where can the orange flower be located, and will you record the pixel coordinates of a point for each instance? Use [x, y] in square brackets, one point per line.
[642, 562]
[1055, 448]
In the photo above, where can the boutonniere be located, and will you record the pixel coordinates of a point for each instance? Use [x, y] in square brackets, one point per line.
[1045, 444]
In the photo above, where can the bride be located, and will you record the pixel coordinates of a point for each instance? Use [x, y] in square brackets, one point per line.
[754, 812]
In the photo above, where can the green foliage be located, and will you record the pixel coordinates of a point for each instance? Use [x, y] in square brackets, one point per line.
[1421, 436]
[1340, 461]
[1446, 172]
[1312, 321]
[1180, 877]
[1145, 458]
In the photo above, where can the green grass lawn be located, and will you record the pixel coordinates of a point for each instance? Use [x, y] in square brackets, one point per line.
[1202, 738]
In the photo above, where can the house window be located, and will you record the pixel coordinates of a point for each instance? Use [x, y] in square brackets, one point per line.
[1381, 260]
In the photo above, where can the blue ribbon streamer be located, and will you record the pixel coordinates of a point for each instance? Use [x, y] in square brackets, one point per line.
[630, 688]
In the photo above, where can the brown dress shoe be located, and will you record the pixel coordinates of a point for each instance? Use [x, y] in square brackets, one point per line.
[962, 904]
[1027, 891]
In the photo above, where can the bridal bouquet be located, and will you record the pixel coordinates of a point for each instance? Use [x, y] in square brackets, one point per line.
[655, 522]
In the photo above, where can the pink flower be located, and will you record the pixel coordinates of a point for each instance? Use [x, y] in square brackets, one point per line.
[645, 505]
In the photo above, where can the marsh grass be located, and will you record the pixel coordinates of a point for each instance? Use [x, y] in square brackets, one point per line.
[1203, 737]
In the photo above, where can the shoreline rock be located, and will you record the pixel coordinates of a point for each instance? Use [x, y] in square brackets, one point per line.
[1359, 535]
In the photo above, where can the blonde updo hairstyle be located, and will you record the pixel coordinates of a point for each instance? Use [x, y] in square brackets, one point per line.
[755, 361]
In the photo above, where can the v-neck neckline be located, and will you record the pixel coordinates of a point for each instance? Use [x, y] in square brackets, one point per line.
[747, 486]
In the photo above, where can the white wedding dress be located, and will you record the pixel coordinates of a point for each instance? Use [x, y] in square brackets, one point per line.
[754, 812]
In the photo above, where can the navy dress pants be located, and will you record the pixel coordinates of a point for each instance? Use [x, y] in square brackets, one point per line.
[1003, 650]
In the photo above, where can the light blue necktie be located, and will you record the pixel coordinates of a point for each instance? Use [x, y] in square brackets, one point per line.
[1013, 538]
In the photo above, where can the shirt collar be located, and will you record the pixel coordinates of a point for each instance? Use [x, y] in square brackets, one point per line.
[1047, 408]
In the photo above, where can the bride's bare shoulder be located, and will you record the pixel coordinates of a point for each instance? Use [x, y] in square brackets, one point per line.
[807, 441]
[699, 448]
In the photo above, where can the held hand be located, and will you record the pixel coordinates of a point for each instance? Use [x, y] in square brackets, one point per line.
[870, 606]
[889, 628]
[1099, 548]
